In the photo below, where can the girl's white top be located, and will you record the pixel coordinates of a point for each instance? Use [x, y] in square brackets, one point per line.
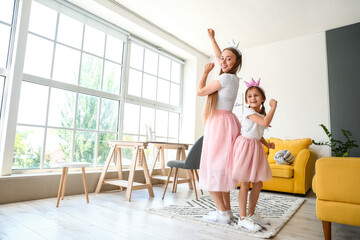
[228, 93]
[250, 128]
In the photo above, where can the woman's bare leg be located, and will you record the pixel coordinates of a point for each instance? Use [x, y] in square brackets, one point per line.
[219, 200]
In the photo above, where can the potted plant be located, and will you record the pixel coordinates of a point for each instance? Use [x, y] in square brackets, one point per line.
[338, 147]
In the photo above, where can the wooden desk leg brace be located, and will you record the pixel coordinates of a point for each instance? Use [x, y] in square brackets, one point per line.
[135, 156]
[129, 184]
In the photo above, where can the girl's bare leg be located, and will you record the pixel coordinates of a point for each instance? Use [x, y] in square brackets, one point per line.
[244, 188]
[254, 196]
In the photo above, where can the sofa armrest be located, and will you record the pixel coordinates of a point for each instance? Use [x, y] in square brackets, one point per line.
[304, 165]
[338, 179]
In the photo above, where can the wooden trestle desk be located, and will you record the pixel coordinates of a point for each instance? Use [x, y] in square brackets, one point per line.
[138, 158]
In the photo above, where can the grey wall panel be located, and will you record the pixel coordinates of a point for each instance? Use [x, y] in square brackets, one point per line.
[343, 55]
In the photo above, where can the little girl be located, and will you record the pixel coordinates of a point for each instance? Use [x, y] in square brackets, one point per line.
[250, 163]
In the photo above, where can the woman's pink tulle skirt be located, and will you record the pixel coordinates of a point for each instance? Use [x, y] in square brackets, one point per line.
[216, 157]
[250, 162]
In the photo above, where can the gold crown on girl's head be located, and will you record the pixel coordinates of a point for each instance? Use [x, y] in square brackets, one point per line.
[235, 46]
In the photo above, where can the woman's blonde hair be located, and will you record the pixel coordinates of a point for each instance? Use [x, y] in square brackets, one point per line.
[211, 100]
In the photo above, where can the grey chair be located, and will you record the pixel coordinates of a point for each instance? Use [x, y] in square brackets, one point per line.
[191, 163]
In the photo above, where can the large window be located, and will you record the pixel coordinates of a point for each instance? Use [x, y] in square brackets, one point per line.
[70, 96]
[77, 92]
[153, 78]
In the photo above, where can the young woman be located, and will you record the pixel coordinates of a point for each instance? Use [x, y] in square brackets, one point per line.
[221, 129]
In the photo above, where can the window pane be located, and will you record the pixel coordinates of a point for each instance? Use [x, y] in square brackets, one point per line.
[94, 41]
[149, 87]
[175, 72]
[87, 111]
[103, 147]
[33, 103]
[163, 91]
[6, 11]
[161, 123]
[62, 108]
[84, 147]
[151, 62]
[136, 56]
[38, 57]
[42, 20]
[70, 31]
[109, 115]
[175, 94]
[4, 44]
[66, 64]
[173, 125]
[134, 85]
[58, 146]
[91, 68]
[147, 119]
[112, 77]
[164, 67]
[114, 49]
[28, 147]
[131, 118]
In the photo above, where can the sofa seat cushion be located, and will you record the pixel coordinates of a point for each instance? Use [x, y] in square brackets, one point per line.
[294, 146]
[283, 171]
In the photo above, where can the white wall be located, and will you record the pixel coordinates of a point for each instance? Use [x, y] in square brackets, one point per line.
[294, 72]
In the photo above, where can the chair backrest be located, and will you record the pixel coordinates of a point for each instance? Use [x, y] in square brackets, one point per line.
[193, 158]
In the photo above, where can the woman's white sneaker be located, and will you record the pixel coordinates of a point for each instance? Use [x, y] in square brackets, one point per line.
[259, 219]
[249, 224]
[217, 216]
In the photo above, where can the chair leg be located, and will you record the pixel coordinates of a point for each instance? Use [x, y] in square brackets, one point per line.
[85, 185]
[197, 176]
[64, 185]
[175, 180]
[167, 182]
[327, 230]
[194, 182]
[60, 187]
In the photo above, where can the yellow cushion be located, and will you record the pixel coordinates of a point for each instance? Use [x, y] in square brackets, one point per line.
[283, 171]
[294, 146]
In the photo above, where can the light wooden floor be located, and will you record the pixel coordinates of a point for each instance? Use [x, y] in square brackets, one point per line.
[108, 216]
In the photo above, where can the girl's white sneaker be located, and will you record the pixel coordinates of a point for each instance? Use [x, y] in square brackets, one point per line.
[249, 224]
[259, 219]
[217, 216]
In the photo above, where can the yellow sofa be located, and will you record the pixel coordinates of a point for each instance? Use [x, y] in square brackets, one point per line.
[337, 188]
[297, 177]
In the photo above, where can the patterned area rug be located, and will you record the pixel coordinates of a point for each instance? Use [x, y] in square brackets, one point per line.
[278, 209]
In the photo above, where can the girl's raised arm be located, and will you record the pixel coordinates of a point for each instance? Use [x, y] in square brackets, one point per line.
[216, 49]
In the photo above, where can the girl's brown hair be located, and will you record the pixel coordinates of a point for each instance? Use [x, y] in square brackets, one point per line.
[211, 101]
[262, 93]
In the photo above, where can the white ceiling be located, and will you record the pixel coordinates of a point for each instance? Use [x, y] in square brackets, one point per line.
[252, 22]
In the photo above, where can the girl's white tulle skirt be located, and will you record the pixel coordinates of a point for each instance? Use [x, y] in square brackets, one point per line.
[216, 157]
[250, 162]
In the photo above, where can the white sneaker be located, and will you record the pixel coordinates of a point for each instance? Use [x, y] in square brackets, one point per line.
[259, 219]
[231, 215]
[249, 224]
[217, 216]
